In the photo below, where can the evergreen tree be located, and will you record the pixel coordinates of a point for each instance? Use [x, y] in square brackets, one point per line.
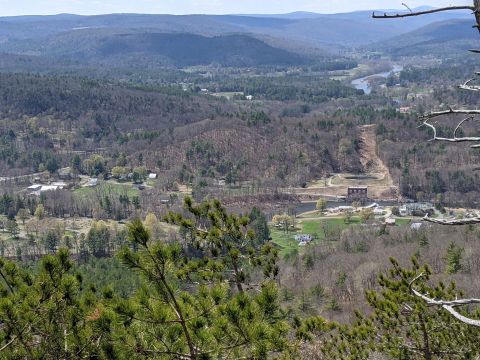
[402, 325]
[45, 317]
[453, 258]
[197, 302]
[259, 224]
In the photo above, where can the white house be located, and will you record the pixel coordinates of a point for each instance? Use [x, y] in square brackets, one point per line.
[416, 226]
[303, 238]
[92, 183]
[390, 221]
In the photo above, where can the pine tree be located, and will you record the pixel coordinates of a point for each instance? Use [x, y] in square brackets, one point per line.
[453, 258]
[402, 325]
[198, 300]
[45, 317]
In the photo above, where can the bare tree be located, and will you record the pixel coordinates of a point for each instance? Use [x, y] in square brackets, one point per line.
[426, 120]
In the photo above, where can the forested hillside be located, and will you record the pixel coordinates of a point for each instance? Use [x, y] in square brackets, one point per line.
[160, 49]
[172, 129]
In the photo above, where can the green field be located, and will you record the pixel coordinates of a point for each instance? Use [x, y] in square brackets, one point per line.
[287, 243]
[108, 188]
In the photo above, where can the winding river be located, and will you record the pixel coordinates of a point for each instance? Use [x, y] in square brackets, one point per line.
[364, 82]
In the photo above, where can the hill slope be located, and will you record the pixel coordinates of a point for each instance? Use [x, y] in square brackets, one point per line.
[442, 38]
[92, 46]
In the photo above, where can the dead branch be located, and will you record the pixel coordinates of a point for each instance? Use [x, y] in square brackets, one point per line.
[455, 139]
[447, 305]
[418, 13]
[468, 87]
[453, 222]
[450, 111]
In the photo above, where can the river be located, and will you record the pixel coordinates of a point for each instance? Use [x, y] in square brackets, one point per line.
[364, 82]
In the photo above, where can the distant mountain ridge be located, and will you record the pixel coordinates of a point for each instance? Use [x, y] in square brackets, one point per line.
[228, 40]
[344, 29]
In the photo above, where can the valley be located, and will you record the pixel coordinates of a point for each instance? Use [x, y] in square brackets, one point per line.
[237, 186]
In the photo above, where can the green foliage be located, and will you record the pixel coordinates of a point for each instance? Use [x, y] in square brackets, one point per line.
[402, 326]
[200, 307]
[45, 317]
[98, 239]
[259, 224]
[453, 258]
[321, 205]
[51, 240]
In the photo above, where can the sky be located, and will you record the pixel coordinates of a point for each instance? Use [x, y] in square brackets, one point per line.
[89, 7]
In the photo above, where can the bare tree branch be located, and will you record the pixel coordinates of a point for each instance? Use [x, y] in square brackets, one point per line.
[467, 86]
[450, 111]
[453, 222]
[447, 305]
[418, 13]
[455, 139]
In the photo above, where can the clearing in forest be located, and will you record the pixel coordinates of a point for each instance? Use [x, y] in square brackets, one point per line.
[375, 174]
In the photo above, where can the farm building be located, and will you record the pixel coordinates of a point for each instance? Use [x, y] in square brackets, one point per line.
[415, 209]
[65, 174]
[357, 193]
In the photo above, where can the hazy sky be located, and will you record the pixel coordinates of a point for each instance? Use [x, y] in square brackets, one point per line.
[22, 7]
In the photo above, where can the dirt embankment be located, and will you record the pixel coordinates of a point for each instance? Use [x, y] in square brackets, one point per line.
[371, 163]
[375, 175]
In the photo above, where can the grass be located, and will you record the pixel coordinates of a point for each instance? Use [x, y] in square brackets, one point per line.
[314, 227]
[284, 240]
[401, 222]
[287, 243]
[342, 181]
[108, 188]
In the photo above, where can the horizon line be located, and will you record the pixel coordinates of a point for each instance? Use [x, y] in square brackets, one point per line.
[212, 14]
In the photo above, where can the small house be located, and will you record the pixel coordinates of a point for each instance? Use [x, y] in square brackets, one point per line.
[303, 238]
[92, 183]
[404, 109]
[416, 226]
[152, 176]
[65, 174]
[390, 221]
